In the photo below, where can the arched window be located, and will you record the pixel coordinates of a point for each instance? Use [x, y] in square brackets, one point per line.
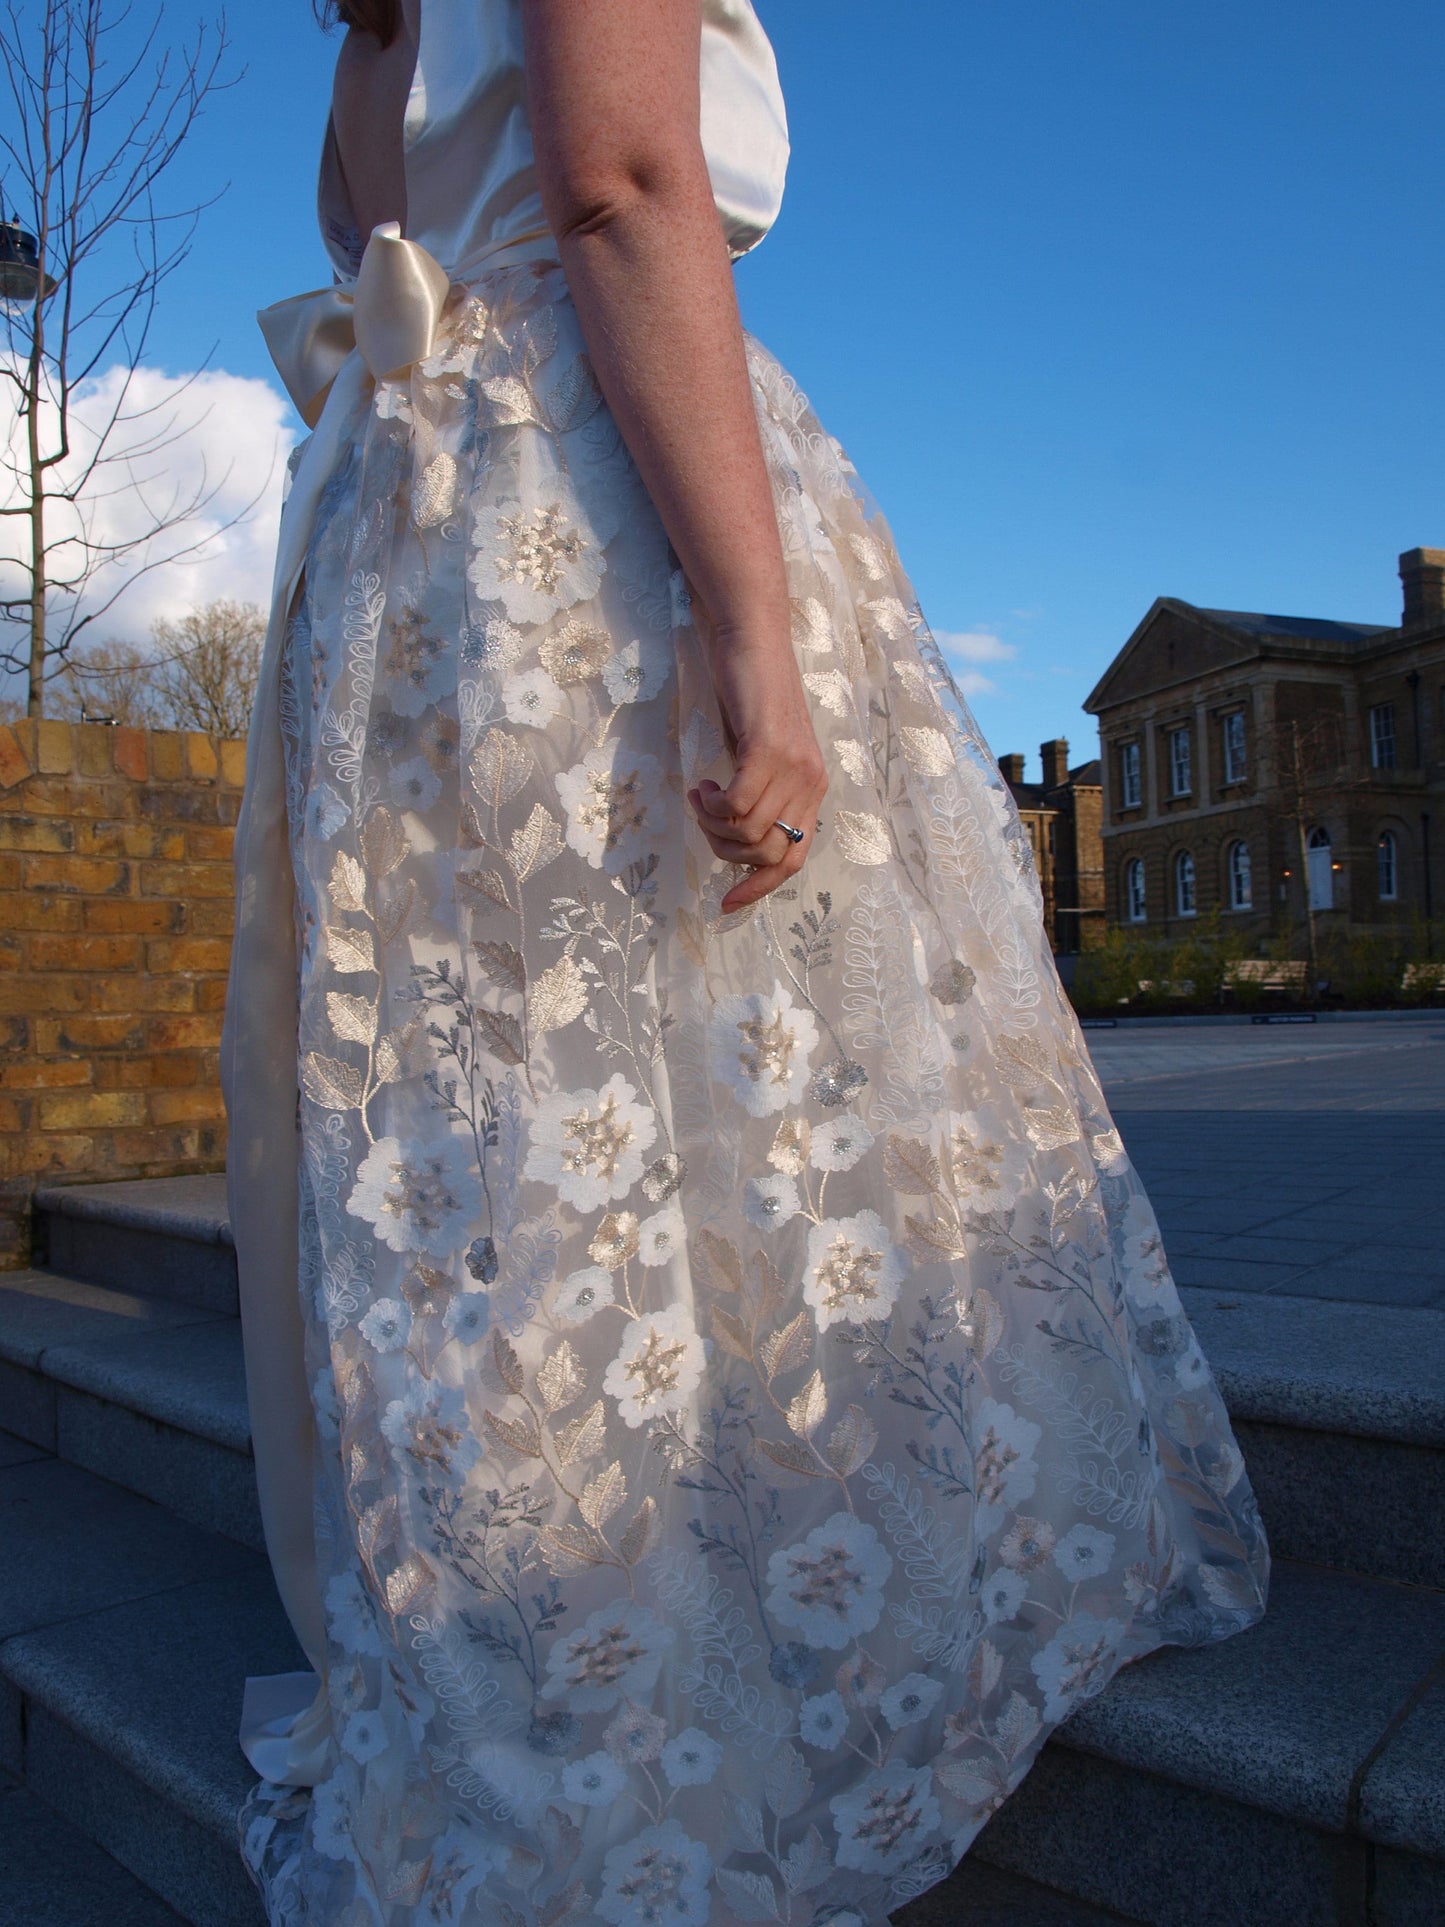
[1184, 884]
[1387, 866]
[1241, 883]
[1134, 907]
[1319, 855]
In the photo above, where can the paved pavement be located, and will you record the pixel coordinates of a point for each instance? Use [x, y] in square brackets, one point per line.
[1302, 1159]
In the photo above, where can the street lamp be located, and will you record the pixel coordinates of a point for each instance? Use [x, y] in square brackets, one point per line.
[22, 277]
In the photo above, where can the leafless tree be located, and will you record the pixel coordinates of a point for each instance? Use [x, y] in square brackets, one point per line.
[101, 109]
[200, 673]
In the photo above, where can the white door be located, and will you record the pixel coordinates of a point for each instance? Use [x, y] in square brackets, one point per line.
[1320, 856]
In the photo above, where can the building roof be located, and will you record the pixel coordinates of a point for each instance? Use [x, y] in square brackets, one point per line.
[1310, 628]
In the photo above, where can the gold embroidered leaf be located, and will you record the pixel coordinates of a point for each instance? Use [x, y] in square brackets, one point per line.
[1051, 1128]
[809, 1408]
[793, 1456]
[509, 1366]
[928, 750]
[851, 1442]
[731, 1333]
[568, 1550]
[981, 1323]
[557, 998]
[328, 1081]
[501, 1035]
[692, 934]
[376, 1529]
[863, 838]
[930, 1238]
[1017, 1724]
[384, 842]
[391, 916]
[603, 1496]
[1022, 1062]
[353, 1018]
[582, 1439]
[765, 1289]
[519, 1435]
[533, 846]
[854, 759]
[718, 1262]
[786, 1350]
[891, 617]
[486, 883]
[406, 1585]
[811, 627]
[910, 1166]
[641, 1531]
[350, 950]
[790, 1146]
[560, 1378]
[576, 397]
[348, 882]
[502, 963]
[511, 400]
[832, 690]
[971, 1781]
[434, 497]
[500, 765]
[985, 1669]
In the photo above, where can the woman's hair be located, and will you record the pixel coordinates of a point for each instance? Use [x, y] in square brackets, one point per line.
[379, 17]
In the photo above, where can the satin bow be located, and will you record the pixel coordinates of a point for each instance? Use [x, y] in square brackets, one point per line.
[389, 317]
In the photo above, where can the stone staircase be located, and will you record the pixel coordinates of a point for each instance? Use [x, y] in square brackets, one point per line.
[1292, 1775]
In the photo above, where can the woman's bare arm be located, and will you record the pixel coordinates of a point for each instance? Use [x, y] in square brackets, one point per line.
[613, 99]
[368, 108]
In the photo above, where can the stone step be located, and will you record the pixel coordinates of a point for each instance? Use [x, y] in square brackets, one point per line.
[1291, 1774]
[157, 1237]
[146, 1391]
[1339, 1410]
[54, 1875]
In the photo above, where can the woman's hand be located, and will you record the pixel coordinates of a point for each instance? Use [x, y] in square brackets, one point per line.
[778, 772]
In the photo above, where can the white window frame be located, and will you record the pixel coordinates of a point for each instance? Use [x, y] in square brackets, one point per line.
[1387, 866]
[1181, 761]
[1186, 891]
[1236, 762]
[1131, 776]
[1241, 877]
[1383, 744]
[1136, 905]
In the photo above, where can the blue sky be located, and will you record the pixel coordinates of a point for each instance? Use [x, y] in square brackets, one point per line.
[1106, 299]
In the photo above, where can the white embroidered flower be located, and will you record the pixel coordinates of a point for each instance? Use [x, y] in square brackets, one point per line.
[575, 653]
[1191, 1368]
[326, 812]
[838, 1144]
[1004, 1467]
[829, 1587]
[429, 1425]
[761, 1043]
[771, 1201]
[822, 1722]
[534, 559]
[333, 1813]
[1004, 1591]
[692, 1759]
[1140, 1250]
[351, 1615]
[1027, 1543]
[883, 1823]
[613, 800]
[594, 1781]
[531, 698]
[585, 1292]
[415, 785]
[661, 1237]
[1077, 1662]
[988, 1168]
[364, 1736]
[658, 1366]
[911, 1700]
[467, 1317]
[387, 1326]
[616, 1653]
[392, 401]
[853, 1270]
[636, 671]
[418, 1197]
[660, 1877]
[1084, 1552]
[589, 1144]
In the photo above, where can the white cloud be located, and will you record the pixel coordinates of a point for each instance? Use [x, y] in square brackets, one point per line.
[227, 436]
[964, 649]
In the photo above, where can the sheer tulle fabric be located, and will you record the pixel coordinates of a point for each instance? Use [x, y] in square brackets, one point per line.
[753, 1404]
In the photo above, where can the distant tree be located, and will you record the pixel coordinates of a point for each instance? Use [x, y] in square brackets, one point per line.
[199, 673]
[100, 110]
[105, 682]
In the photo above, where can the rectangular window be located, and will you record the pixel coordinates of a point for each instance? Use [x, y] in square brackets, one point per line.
[1130, 785]
[1234, 746]
[1180, 779]
[1382, 736]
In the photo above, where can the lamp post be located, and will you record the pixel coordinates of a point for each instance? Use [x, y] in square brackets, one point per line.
[23, 279]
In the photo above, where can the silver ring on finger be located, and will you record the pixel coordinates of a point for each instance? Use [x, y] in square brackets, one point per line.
[793, 836]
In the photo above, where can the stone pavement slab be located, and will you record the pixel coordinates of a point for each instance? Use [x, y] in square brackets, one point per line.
[55, 1877]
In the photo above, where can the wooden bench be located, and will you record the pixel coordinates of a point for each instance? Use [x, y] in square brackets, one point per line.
[1267, 973]
[1424, 976]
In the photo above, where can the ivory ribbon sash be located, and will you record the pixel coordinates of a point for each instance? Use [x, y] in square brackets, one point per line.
[327, 345]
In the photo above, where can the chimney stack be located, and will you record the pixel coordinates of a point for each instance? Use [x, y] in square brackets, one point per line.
[1056, 763]
[1422, 573]
[1012, 767]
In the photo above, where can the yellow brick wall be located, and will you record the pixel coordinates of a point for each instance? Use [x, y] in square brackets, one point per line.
[115, 938]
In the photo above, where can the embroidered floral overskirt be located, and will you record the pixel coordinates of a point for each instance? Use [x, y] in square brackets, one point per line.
[755, 1407]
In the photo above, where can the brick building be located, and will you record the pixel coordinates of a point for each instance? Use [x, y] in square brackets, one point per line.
[1201, 715]
[1063, 815]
